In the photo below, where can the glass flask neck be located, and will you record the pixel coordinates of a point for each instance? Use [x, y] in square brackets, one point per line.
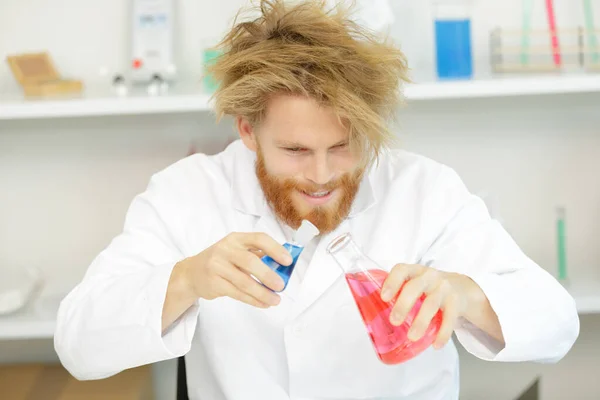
[347, 254]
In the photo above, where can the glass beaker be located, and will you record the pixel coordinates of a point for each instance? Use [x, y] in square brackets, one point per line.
[452, 23]
[365, 279]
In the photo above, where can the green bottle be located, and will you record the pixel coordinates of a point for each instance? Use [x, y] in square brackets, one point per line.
[561, 242]
[210, 55]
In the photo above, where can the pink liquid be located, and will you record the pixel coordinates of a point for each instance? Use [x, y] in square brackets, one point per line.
[391, 342]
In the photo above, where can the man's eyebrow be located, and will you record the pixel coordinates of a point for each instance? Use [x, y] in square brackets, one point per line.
[284, 143]
[340, 143]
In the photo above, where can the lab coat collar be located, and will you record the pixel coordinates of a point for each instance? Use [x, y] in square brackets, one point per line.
[247, 194]
[249, 198]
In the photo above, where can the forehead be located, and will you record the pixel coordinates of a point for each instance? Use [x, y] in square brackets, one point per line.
[302, 120]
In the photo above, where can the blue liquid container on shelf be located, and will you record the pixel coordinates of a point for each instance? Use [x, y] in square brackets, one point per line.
[453, 49]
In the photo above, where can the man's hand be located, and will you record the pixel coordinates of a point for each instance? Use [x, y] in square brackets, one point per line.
[224, 269]
[455, 294]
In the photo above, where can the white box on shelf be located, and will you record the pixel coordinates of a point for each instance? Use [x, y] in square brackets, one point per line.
[152, 40]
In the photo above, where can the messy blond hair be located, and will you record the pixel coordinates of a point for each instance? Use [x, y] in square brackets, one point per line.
[306, 49]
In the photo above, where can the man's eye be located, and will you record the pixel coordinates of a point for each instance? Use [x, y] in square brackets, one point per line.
[294, 149]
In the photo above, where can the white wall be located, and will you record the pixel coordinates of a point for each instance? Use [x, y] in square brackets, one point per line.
[71, 180]
[531, 155]
[67, 183]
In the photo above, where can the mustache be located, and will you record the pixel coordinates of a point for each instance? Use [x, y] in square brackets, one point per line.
[292, 184]
[343, 181]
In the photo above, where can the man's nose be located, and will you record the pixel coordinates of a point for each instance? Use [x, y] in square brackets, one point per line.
[319, 170]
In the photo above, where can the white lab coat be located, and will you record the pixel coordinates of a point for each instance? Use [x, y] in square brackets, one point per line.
[313, 345]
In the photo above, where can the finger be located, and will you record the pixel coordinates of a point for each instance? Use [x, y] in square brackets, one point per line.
[257, 252]
[243, 282]
[229, 290]
[449, 318]
[398, 275]
[268, 245]
[249, 263]
[428, 309]
[412, 290]
[424, 283]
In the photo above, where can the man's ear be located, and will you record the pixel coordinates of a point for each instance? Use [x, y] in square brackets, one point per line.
[246, 132]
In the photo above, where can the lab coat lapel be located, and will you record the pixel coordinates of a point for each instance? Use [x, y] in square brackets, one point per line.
[267, 223]
[322, 272]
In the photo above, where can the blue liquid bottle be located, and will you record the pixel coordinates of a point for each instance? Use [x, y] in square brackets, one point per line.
[302, 236]
[454, 59]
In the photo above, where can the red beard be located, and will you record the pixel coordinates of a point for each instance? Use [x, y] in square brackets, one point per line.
[278, 193]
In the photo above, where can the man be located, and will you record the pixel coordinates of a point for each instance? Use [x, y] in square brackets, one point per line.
[311, 94]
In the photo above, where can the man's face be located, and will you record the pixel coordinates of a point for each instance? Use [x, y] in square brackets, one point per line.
[304, 164]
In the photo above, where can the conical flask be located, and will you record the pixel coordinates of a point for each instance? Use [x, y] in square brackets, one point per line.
[365, 280]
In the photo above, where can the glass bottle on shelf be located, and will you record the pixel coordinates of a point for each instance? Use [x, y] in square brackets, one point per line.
[453, 44]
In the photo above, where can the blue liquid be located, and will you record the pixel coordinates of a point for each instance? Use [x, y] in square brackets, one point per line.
[453, 49]
[284, 271]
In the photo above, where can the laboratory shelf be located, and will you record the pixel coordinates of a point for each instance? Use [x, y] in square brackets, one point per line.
[94, 103]
[39, 320]
[36, 321]
[105, 103]
[587, 295]
[507, 85]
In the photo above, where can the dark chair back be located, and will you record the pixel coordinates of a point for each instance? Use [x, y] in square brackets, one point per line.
[182, 390]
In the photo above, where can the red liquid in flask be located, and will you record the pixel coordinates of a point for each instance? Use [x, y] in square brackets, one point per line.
[391, 342]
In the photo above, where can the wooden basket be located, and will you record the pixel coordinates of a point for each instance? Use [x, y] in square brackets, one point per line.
[38, 77]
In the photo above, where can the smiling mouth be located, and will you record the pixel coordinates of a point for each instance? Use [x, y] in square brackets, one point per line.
[322, 193]
[319, 198]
